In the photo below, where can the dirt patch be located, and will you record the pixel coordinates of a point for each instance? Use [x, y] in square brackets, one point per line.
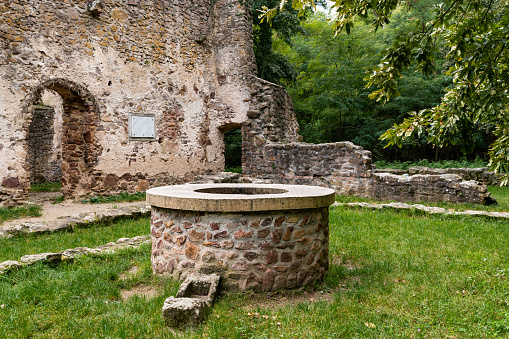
[68, 208]
[127, 275]
[142, 290]
[291, 297]
[348, 264]
[41, 198]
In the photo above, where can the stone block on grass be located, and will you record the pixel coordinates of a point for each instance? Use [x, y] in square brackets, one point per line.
[194, 300]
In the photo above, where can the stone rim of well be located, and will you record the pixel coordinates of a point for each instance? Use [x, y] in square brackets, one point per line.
[240, 197]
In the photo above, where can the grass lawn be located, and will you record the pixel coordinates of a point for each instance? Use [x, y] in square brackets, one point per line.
[46, 187]
[392, 274]
[8, 213]
[129, 197]
[96, 235]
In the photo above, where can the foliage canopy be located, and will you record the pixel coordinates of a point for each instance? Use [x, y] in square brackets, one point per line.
[329, 94]
[475, 33]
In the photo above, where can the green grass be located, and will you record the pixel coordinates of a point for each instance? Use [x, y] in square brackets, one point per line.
[462, 163]
[408, 276]
[138, 196]
[412, 276]
[9, 213]
[501, 194]
[46, 187]
[59, 199]
[82, 300]
[237, 169]
[96, 235]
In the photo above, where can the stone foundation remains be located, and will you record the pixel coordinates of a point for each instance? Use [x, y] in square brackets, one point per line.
[482, 175]
[271, 151]
[422, 187]
[193, 301]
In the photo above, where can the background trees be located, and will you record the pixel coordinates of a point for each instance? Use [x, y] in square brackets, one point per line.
[463, 39]
[330, 95]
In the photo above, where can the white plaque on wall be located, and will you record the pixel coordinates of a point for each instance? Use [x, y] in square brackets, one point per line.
[142, 126]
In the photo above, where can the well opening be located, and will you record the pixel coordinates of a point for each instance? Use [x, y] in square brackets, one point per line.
[241, 190]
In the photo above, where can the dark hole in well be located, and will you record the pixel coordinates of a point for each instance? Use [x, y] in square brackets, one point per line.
[241, 190]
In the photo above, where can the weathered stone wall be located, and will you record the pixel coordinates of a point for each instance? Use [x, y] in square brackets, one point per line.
[270, 148]
[428, 187]
[342, 166]
[252, 251]
[185, 61]
[270, 153]
[271, 119]
[482, 174]
[40, 144]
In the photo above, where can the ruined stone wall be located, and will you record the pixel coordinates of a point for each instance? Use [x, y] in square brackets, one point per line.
[270, 148]
[482, 174]
[428, 187]
[271, 119]
[44, 163]
[185, 61]
[270, 153]
[342, 166]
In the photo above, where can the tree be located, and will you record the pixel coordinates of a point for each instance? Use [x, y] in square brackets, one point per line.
[329, 95]
[476, 34]
[272, 66]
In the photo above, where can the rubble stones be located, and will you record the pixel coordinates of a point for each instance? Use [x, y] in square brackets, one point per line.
[482, 175]
[193, 301]
[183, 312]
[81, 220]
[69, 254]
[427, 187]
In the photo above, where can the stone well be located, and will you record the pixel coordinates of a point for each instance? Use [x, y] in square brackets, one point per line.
[257, 237]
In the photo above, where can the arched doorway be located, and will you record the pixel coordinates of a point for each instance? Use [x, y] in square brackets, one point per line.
[68, 151]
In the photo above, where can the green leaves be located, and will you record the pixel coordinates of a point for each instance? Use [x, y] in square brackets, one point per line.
[474, 34]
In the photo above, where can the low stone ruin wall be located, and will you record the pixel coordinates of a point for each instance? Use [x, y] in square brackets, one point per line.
[347, 169]
[342, 166]
[481, 174]
[269, 153]
[428, 187]
[383, 186]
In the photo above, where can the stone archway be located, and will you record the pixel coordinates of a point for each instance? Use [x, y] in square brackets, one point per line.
[80, 147]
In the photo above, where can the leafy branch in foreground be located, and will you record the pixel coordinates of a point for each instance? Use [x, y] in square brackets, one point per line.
[476, 34]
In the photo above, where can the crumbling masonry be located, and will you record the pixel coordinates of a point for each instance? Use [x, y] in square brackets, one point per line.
[185, 62]
[74, 72]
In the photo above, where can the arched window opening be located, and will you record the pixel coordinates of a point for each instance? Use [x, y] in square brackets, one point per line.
[45, 146]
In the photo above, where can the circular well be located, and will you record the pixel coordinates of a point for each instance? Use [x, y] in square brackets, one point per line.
[239, 197]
